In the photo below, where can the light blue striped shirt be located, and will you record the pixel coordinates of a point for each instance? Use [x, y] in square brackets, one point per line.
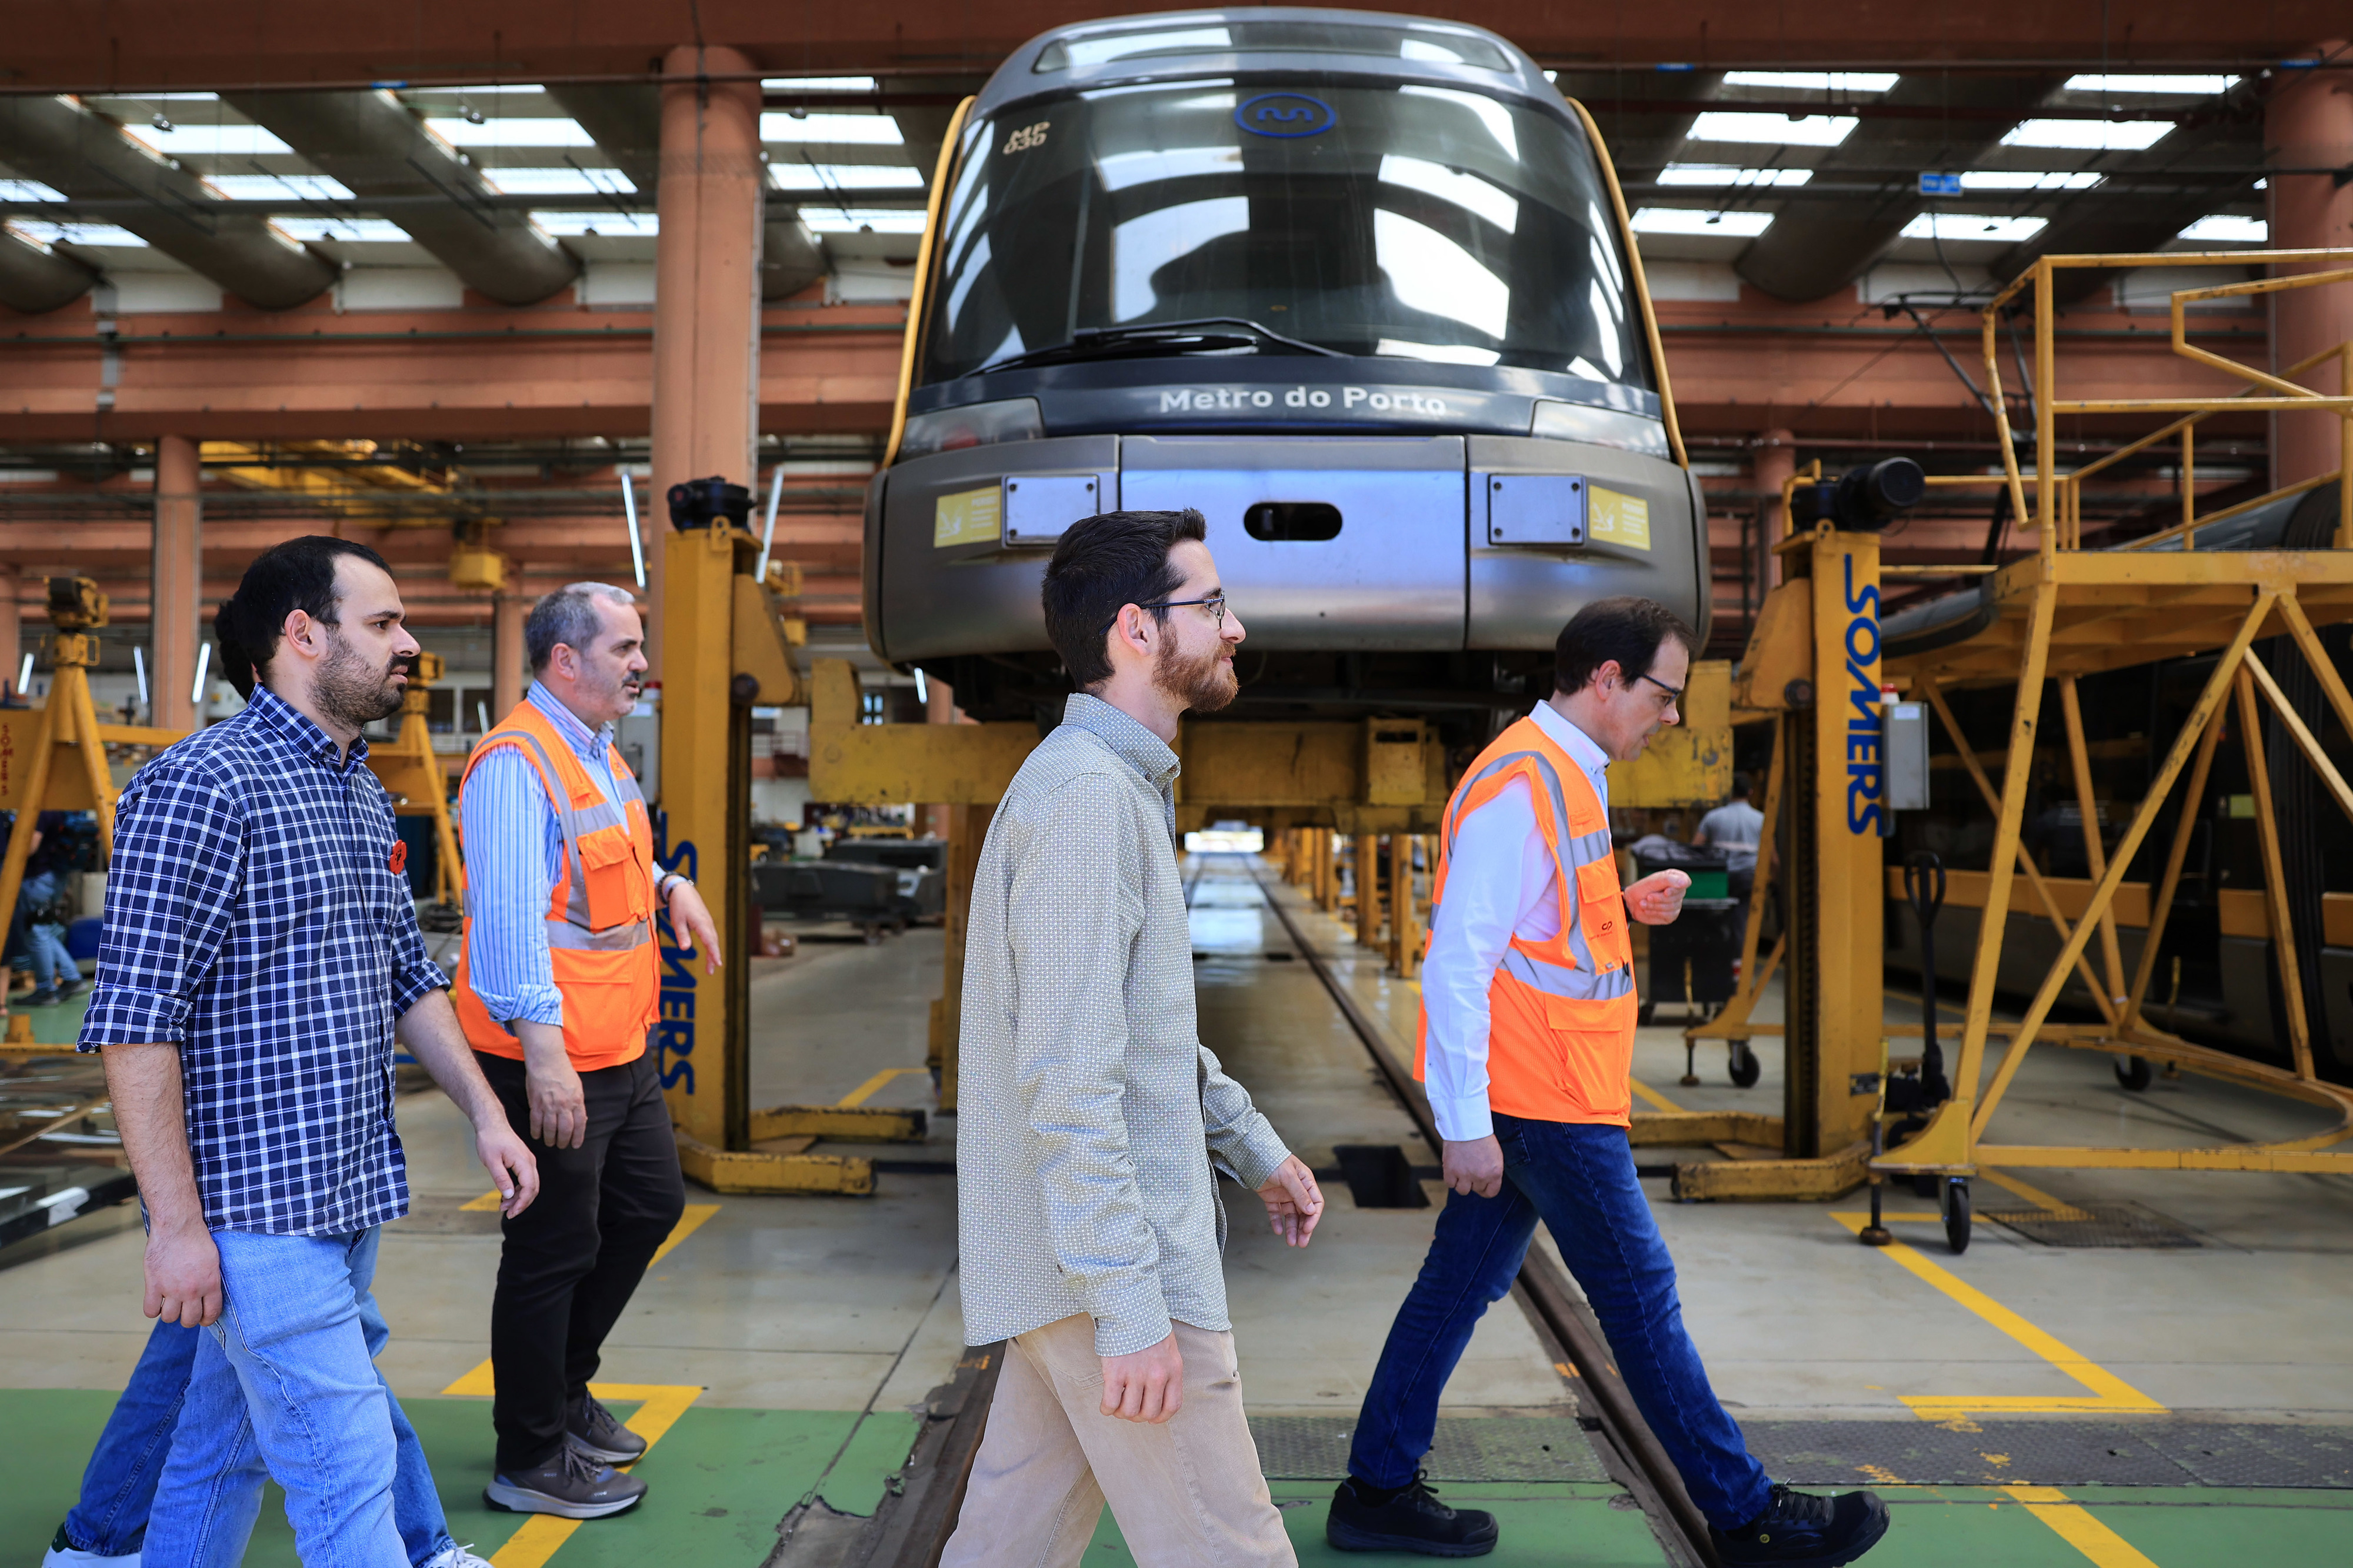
[514, 852]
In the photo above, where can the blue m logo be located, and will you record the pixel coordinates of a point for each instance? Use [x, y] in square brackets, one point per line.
[1285, 114]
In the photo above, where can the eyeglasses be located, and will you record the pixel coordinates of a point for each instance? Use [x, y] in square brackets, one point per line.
[1674, 693]
[1215, 604]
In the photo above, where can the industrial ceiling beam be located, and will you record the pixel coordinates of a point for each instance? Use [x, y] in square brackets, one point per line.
[162, 43]
[33, 279]
[82, 154]
[1820, 244]
[624, 119]
[372, 145]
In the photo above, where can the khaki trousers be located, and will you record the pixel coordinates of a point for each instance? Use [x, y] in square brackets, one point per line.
[1186, 1493]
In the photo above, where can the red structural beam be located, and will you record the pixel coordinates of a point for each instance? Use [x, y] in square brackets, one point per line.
[85, 44]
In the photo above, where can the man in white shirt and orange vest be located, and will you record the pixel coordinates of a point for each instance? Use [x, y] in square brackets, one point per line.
[1526, 1050]
[558, 987]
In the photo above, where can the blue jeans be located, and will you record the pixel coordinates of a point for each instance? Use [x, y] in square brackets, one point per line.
[118, 1488]
[44, 945]
[1579, 1180]
[285, 1386]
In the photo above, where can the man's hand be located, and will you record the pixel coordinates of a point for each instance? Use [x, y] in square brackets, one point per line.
[1474, 1167]
[550, 1085]
[1294, 1202]
[513, 1169]
[1146, 1385]
[1657, 899]
[690, 920]
[183, 1277]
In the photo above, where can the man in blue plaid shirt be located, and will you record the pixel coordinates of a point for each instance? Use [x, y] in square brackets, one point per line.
[261, 956]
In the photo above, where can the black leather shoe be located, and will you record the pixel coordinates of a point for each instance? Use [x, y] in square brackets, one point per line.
[1800, 1528]
[1412, 1519]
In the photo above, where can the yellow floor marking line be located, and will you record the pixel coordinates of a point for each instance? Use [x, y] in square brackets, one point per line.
[2075, 1524]
[487, 1203]
[874, 1086]
[1653, 1098]
[688, 1224]
[2109, 1392]
[2058, 1209]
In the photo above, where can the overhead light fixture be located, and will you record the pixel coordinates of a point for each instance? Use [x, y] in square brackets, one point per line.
[1774, 130]
[159, 123]
[473, 115]
[1814, 81]
[2088, 135]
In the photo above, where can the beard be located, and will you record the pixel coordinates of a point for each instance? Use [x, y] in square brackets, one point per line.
[351, 693]
[1203, 685]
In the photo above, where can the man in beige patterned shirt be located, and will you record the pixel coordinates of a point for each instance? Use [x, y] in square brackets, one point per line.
[1090, 1112]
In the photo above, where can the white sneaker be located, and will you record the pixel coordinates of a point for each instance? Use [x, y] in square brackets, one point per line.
[456, 1557]
[74, 1557]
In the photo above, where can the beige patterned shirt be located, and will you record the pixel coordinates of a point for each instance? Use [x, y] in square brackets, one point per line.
[1088, 1109]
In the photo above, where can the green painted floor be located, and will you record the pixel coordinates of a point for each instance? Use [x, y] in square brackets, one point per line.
[720, 1479]
[59, 1024]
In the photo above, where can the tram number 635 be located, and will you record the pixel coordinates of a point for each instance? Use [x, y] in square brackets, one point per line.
[1029, 136]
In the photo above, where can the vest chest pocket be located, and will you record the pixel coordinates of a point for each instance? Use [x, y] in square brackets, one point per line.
[1602, 911]
[618, 893]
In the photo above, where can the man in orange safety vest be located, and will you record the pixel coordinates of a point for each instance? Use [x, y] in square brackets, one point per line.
[1526, 1050]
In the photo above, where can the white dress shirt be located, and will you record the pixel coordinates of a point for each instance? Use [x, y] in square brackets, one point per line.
[1499, 884]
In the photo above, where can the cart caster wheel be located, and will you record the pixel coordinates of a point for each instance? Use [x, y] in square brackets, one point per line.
[874, 935]
[1743, 1067]
[2133, 1073]
[1956, 1213]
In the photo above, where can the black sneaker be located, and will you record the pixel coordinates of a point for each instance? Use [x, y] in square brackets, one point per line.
[42, 996]
[1798, 1527]
[1411, 1520]
[597, 1432]
[570, 1486]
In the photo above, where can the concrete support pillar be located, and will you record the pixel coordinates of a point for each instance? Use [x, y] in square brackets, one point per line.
[12, 651]
[174, 626]
[510, 672]
[2308, 124]
[1775, 459]
[706, 393]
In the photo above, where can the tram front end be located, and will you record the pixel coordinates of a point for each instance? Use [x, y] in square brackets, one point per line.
[1359, 287]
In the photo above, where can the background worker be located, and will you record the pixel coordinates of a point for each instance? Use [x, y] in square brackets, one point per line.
[1092, 1118]
[558, 987]
[1736, 828]
[261, 956]
[1527, 1042]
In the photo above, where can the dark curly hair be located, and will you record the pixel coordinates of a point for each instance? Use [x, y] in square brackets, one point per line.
[298, 574]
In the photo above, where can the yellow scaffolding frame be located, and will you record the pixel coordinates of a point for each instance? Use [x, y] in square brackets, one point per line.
[2064, 612]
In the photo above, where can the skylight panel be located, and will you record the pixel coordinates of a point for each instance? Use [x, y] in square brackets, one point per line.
[518, 130]
[207, 141]
[845, 176]
[2172, 86]
[1814, 81]
[609, 225]
[1721, 175]
[859, 130]
[278, 187]
[45, 233]
[2225, 228]
[1689, 220]
[1979, 226]
[28, 191]
[2100, 135]
[1773, 130]
[817, 84]
[2016, 180]
[351, 230]
[881, 220]
[564, 181]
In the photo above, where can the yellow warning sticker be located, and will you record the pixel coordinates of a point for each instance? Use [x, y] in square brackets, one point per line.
[969, 517]
[1613, 518]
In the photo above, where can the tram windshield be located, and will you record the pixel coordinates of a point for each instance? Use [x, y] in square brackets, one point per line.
[1420, 222]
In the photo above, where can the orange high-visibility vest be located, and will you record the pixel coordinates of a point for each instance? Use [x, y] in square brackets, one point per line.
[600, 913]
[1561, 1040]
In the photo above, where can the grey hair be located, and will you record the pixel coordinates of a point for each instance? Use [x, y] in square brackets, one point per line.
[568, 616]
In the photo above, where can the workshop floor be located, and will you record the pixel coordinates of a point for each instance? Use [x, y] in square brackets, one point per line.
[780, 1344]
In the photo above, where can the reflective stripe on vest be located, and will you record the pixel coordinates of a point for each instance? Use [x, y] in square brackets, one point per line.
[1581, 979]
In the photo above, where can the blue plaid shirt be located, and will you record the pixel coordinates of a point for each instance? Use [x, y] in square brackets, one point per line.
[254, 919]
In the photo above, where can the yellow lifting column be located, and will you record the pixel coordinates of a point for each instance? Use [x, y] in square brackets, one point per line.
[411, 772]
[724, 649]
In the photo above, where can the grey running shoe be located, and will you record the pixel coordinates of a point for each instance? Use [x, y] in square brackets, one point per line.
[570, 1486]
[598, 1432]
